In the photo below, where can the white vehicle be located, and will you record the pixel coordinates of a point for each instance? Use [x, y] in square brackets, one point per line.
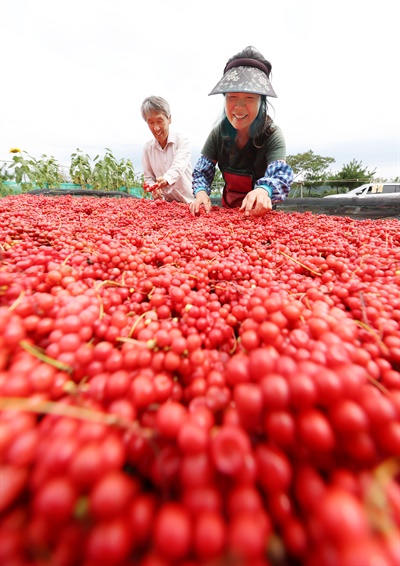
[372, 190]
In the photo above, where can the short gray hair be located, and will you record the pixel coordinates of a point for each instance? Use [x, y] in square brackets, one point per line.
[153, 105]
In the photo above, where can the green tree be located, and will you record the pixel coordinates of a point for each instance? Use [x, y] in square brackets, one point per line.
[352, 175]
[217, 184]
[309, 168]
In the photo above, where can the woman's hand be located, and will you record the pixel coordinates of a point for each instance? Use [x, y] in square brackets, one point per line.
[256, 202]
[202, 199]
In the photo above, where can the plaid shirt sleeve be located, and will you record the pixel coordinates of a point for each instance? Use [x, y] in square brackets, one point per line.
[203, 175]
[277, 180]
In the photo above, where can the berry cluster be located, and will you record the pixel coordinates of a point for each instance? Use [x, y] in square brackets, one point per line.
[185, 391]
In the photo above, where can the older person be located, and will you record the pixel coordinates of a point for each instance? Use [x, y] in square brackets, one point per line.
[166, 159]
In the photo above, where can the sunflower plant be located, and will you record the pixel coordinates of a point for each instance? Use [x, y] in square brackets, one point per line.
[29, 172]
[109, 174]
[80, 169]
[4, 177]
[103, 173]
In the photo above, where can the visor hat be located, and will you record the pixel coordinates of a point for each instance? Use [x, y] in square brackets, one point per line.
[245, 75]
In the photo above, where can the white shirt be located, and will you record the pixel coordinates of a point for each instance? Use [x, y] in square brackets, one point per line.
[173, 163]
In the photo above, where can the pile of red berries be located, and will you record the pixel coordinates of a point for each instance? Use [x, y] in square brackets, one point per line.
[213, 390]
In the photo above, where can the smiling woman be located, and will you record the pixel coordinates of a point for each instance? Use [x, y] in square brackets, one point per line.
[247, 146]
[242, 109]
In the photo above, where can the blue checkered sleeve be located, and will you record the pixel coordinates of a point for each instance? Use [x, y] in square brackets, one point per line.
[277, 180]
[203, 175]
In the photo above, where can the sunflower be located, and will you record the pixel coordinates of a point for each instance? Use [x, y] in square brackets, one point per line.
[15, 150]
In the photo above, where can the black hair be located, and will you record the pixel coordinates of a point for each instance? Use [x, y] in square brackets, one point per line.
[251, 53]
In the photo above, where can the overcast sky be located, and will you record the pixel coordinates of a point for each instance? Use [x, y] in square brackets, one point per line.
[74, 73]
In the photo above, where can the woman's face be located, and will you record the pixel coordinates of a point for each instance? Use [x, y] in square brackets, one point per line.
[241, 109]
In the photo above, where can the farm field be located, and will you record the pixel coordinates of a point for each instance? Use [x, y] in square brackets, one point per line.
[216, 390]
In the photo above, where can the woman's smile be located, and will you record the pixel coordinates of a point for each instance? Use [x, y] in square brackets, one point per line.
[242, 108]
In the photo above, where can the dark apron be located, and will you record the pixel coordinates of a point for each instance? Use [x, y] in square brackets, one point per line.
[237, 185]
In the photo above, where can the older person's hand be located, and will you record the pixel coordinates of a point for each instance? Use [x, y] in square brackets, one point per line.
[162, 183]
[154, 189]
[256, 203]
[157, 194]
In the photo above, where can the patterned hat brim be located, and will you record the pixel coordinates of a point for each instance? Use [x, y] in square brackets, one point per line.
[244, 79]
